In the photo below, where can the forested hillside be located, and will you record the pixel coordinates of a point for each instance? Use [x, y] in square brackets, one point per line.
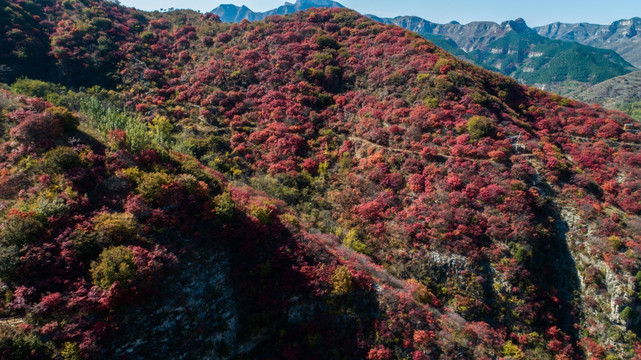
[318, 185]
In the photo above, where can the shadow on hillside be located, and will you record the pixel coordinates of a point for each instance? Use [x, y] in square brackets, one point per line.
[282, 314]
[241, 294]
[555, 272]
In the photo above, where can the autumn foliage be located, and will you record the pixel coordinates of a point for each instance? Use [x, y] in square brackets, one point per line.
[397, 202]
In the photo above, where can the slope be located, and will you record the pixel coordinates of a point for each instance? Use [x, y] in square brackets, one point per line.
[510, 215]
[511, 48]
[113, 247]
[614, 92]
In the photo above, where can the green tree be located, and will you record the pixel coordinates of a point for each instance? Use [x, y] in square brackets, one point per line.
[627, 313]
[21, 229]
[116, 228]
[353, 241]
[114, 264]
[61, 158]
[224, 207]
[160, 129]
[480, 126]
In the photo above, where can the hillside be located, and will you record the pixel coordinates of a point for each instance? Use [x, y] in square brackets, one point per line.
[514, 49]
[613, 92]
[317, 185]
[623, 36]
[511, 48]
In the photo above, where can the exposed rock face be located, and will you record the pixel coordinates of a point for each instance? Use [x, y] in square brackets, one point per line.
[623, 36]
[189, 301]
[604, 293]
[468, 37]
[233, 13]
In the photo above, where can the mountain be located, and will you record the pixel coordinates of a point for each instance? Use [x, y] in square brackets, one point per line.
[514, 49]
[623, 36]
[613, 92]
[511, 48]
[233, 13]
[310, 186]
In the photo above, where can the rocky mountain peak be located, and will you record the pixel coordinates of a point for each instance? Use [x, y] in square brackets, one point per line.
[517, 25]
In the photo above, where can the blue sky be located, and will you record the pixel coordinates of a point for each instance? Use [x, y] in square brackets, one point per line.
[535, 12]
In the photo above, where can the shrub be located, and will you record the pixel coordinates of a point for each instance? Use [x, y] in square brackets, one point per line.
[116, 228]
[9, 260]
[151, 184]
[627, 313]
[114, 264]
[352, 240]
[224, 207]
[480, 126]
[20, 229]
[86, 244]
[325, 41]
[380, 352]
[341, 280]
[615, 242]
[22, 346]
[37, 127]
[40, 89]
[61, 158]
[68, 119]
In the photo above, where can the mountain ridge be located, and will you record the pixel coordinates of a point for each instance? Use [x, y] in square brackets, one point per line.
[623, 36]
[233, 13]
[492, 46]
[517, 50]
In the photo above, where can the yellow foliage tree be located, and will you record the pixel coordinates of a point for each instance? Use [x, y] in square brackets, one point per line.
[342, 280]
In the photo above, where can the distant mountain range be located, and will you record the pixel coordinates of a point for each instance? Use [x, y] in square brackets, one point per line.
[623, 36]
[233, 13]
[517, 50]
[563, 58]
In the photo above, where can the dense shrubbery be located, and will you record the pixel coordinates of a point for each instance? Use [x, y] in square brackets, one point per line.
[432, 170]
[115, 264]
